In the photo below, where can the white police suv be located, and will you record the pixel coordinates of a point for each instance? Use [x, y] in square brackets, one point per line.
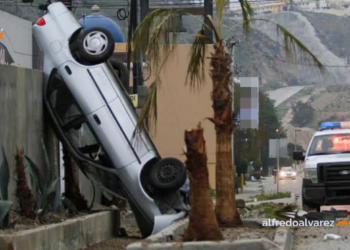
[327, 166]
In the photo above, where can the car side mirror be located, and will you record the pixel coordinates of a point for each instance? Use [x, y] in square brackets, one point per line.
[298, 156]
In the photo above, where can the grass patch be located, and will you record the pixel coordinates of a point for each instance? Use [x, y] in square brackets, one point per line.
[280, 195]
[270, 210]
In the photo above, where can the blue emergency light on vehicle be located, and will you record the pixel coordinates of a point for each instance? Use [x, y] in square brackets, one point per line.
[334, 125]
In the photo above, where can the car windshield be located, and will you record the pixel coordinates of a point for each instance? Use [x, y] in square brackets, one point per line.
[287, 169]
[330, 144]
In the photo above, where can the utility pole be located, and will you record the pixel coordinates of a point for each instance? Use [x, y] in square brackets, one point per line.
[208, 10]
[278, 159]
[295, 144]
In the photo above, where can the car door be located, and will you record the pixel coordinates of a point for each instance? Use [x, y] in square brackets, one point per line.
[79, 137]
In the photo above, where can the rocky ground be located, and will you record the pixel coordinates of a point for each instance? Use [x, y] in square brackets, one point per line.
[312, 238]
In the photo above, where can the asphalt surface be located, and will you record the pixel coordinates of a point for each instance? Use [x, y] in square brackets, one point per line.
[287, 185]
[267, 184]
[283, 94]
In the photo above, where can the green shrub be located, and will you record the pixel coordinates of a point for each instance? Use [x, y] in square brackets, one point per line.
[242, 167]
[303, 113]
[256, 174]
[44, 188]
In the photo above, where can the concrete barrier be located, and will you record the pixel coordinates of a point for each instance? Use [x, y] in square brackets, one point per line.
[71, 234]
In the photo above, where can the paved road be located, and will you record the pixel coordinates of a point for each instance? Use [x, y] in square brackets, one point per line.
[255, 188]
[283, 94]
[285, 186]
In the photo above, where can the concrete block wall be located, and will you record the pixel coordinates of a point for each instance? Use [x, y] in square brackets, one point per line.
[23, 123]
[21, 112]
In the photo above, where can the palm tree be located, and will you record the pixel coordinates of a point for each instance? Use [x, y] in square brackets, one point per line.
[153, 39]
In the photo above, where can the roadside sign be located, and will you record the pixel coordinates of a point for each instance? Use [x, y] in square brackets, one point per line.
[283, 152]
[135, 100]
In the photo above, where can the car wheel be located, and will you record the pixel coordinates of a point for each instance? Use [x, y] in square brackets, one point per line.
[168, 173]
[122, 72]
[95, 45]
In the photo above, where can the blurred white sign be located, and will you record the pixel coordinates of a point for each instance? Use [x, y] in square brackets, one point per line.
[283, 152]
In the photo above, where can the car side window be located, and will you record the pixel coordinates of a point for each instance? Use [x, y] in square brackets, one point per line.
[74, 123]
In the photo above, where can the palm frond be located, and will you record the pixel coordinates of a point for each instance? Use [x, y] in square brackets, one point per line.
[153, 33]
[195, 70]
[247, 12]
[220, 6]
[212, 27]
[294, 48]
[148, 114]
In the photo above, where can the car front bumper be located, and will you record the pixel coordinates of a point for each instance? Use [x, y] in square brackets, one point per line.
[321, 194]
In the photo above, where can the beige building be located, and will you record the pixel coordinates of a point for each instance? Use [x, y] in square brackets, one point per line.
[180, 108]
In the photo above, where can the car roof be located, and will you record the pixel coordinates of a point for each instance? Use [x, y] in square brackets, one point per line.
[332, 132]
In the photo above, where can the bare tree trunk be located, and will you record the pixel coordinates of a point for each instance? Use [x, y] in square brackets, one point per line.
[202, 221]
[226, 211]
[72, 188]
[23, 193]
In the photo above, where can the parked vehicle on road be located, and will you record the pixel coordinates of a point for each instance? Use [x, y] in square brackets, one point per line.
[287, 172]
[95, 120]
[327, 166]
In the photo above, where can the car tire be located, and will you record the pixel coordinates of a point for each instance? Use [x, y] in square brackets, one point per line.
[168, 173]
[122, 72]
[95, 45]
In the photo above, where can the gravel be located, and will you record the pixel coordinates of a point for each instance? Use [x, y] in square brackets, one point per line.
[312, 238]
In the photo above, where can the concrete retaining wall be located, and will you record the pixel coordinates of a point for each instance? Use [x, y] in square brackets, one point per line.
[23, 123]
[69, 235]
[21, 112]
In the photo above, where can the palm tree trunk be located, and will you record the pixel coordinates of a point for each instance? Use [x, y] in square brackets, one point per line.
[202, 222]
[72, 187]
[23, 193]
[226, 211]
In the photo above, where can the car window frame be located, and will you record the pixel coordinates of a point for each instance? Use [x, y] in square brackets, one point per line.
[71, 124]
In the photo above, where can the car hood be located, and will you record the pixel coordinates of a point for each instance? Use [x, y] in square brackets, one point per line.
[312, 161]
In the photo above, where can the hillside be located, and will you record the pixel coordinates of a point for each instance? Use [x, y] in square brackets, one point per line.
[332, 31]
[326, 36]
[331, 103]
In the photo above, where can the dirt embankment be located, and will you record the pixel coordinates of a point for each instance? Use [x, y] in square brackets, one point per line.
[329, 102]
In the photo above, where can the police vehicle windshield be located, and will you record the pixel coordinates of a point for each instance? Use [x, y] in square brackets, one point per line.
[330, 144]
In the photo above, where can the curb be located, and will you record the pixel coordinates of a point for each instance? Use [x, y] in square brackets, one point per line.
[284, 238]
[259, 244]
[168, 239]
[170, 233]
[291, 198]
[72, 234]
